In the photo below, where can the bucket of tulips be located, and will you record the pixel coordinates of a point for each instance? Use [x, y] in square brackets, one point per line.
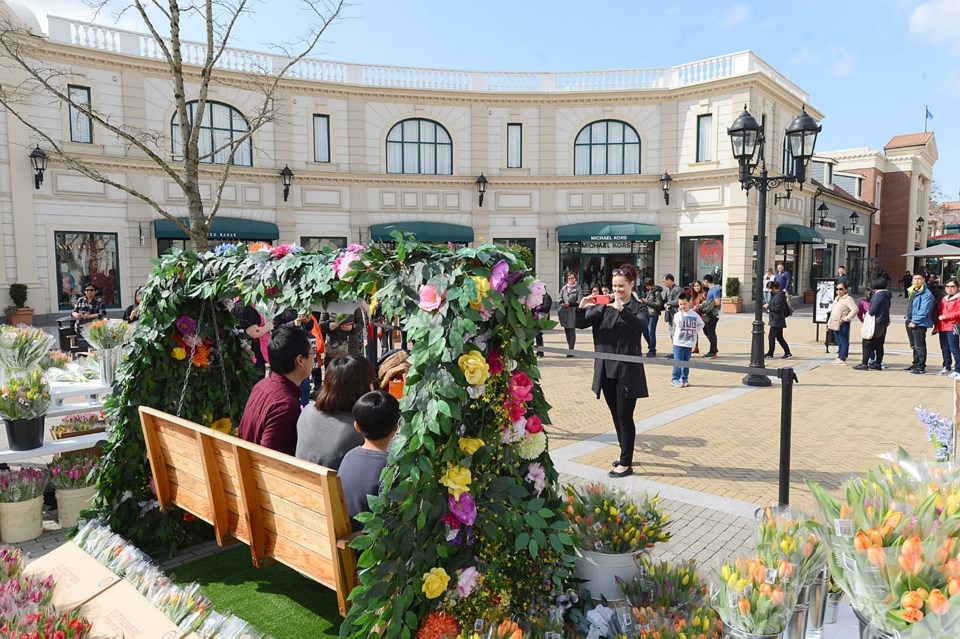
[754, 598]
[108, 336]
[894, 548]
[74, 476]
[22, 348]
[610, 530]
[21, 504]
[24, 400]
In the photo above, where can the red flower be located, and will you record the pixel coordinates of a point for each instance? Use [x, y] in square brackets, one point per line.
[438, 625]
[495, 362]
[534, 425]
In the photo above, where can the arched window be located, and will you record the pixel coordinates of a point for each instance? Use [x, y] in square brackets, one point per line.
[607, 147]
[221, 123]
[419, 146]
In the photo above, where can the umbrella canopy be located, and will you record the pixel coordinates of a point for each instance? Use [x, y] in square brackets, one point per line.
[938, 250]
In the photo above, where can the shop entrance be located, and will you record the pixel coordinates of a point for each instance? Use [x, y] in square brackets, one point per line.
[594, 262]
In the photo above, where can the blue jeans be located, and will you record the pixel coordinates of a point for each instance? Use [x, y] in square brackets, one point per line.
[651, 334]
[681, 354]
[843, 340]
[950, 347]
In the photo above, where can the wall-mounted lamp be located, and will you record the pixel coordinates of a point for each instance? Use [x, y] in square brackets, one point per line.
[481, 187]
[777, 198]
[854, 218]
[143, 240]
[665, 181]
[822, 210]
[920, 223]
[548, 238]
[286, 178]
[39, 160]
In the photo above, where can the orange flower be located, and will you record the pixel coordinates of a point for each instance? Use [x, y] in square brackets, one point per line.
[861, 541]
[877, 557]
[784, 569]
[509, 630]
[201, 357]
[910, 564]
[256, 246]
[912, 547]
[911, 599]
[766, 589]
[776, 597]
[439, 625]
[744, 606]
[938, 602]
[953, 586]
[912, 615]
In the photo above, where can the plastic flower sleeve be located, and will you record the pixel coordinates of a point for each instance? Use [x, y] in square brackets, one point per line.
[752, 596]
[787, 538]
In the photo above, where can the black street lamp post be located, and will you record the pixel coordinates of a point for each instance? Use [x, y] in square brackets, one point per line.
[747, 141]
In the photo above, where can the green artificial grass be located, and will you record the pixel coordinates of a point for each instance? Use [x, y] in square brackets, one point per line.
[276, 600]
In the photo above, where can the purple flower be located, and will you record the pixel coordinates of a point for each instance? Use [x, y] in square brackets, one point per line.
[186, 325]
[464, 509]
[498, 276]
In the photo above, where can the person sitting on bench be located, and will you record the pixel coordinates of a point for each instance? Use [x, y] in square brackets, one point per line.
[376, 416]
[270, 418]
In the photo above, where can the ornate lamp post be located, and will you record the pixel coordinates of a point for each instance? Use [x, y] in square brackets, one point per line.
[854, 218]
[481, 187]
[747, 141]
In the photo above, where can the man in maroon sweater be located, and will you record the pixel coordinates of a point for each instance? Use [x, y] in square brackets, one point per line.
[270, 418]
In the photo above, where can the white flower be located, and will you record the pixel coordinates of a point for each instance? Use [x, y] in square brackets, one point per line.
[452, 534]
[537, 476]
[468, 581]
[480, 341]
[515, 433]
[126, 495]
[532, 446]
[511, 365]
[476, 390]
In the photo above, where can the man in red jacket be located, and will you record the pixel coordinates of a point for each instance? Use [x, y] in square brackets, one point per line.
[270, 418]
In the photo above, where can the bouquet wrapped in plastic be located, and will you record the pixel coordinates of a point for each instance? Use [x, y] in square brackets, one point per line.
[22, 347]
[25, 396]
[788, 536]
[607, 520]
[753, 596]
[894, 548]
[107, 333]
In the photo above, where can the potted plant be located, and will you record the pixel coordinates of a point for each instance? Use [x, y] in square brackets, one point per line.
[18, 313]
[609, 531]
[74, 476]
[732, 302]
[21, 504]
[24, 399]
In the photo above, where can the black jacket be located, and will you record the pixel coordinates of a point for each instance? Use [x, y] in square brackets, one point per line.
[777, 306]
[618, 333]
[654, 299]
[880, 305]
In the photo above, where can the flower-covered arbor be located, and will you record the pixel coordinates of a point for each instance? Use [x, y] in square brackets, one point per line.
[466, 530]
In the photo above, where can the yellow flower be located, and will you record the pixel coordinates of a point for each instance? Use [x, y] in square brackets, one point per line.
[179, 353]
[483, 287]
[474, 367]
[470, 445]
[223, 425]
[457, 480]
[435, 582]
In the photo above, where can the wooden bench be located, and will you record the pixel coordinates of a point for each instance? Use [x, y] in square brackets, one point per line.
[284, 508]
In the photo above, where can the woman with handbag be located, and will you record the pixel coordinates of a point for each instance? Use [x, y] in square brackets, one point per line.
[878, 313]
[843, 311]
[779, 309]
[569, 301]
[617, 330]
[948, 317]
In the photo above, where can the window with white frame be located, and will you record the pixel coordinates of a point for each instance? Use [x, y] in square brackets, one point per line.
[220, 126]
[419, 146]
[705, 137]
[321, 138]
[607, 147]
[514, 146]
[81, 126]
[789, 164]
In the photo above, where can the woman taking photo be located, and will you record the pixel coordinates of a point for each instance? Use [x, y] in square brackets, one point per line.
[325, 429]
[132, 314]
[843, 311]
[617, 329]
[569, 299]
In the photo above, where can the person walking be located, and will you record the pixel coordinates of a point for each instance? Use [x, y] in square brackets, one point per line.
[778, 308]
[617, 330]
[569, 300]
[918, 317]
[685, 330]
[541, 312]
[880, 309]
[767, 278]
[843, 311]
[671, 293]
[907, 281]
[654, 300]
[710, 312]
[948, 315]
[783, 278]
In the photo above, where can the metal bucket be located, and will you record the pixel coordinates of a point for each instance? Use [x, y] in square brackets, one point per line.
[797, 625]
[833, 607]
[109, 361]
[818, 603]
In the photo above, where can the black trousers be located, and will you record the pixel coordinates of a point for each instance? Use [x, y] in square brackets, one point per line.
[710, 330]
[775, 336]
[571, 334]
[873, 347]
[621, 409]
[918, 342]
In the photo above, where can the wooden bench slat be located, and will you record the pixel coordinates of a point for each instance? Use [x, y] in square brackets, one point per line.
[217, 498]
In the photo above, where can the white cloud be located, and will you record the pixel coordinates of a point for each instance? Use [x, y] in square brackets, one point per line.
[805, 56]
[836, 61]
[737, 14]
[842, 63]
[937, 22]
[951, 84]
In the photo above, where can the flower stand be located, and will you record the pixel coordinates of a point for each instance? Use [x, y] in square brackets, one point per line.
[600, 571]
[25, 434]
[21, 520]
[70, 502]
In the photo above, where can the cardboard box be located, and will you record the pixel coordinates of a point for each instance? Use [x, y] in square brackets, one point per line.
[121, 611]
[79, 576]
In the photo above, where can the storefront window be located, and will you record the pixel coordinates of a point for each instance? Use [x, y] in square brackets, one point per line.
[317, 244]
[87, 258]
[594, 262]
[700, 256]
[857, 267]
[528, 243]
[787, 255]
[823, 263]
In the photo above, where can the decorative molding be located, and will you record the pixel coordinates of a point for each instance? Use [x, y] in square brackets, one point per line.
[76, 184]
[321, 197]
[252, 195]
[514, 200]
[388, 199]
[596, 200]
[431, 200]
[410, 200]
[618, 200]
[451, 200]
[638, 200]
[703, 197]
[575, 201]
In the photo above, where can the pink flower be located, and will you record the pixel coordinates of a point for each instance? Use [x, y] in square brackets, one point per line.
[355, 248]
[280, 251]
[515, 410]
[495, 362]
[535, 297]
[537, 476]
[520, 387]
[430, 299]
[342, 265]
[534, 425]
[498, 276]
[467, 582]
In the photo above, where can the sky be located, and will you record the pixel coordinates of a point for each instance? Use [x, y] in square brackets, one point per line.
[873, 67]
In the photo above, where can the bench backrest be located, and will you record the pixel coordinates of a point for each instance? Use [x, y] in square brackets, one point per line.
[284, 508]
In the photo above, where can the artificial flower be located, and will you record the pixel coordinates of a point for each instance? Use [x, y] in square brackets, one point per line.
[467, 581]
[430, 299]
[457, 480]
[201, 357]
[476, 390]
[261, 247]
[223, 425]
[474, 367]
[532, 446]
[438, 625]
[225, 248]
[464, 508]
[179, 353]
[509, 630]
[534, 424]
[495, 362]
[435, 582]
[186, 325]
[537, 292]
[342, 266]
[470, 445]
[498, 276]
[520, 387]
[515, 409]
[480, 341]
[537, 476]
[514, 433]
[483, 287]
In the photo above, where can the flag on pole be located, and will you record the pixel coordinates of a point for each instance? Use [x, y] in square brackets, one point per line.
[929, 115]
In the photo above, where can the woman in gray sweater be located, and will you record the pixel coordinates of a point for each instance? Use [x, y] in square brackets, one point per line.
[325, 429]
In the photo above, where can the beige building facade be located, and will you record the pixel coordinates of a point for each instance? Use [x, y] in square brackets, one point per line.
[573, 163]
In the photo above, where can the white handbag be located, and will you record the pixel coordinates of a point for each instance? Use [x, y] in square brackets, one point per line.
[868, 327]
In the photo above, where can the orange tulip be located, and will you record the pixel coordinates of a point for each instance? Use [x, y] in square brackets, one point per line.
[877, 557]
[776, 597]
[912, 615]
[744, 606]
[861, 541]
[938, 602]
[766, 589]
[875, 536]
[893, 519]
[911, 600]
[910, 564]
[912, 547]
[953, 586]
[923, 592]
[784, 569]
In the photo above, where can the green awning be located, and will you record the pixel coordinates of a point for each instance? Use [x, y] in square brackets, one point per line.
[607, 232]
[424, 232]
[223, 228]
[792, 233]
